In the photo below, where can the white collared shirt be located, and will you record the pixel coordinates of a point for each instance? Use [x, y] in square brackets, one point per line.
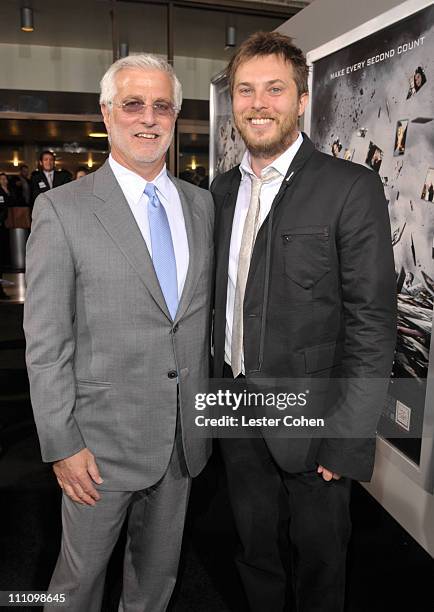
[50, 178]
[133, 186]
[268, 193]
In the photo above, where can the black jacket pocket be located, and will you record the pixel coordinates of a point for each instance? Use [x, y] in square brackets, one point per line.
[306, 254]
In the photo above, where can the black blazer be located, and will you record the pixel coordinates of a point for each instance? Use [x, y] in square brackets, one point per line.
[39, 183]
[320, 300]
[3, 212]
[8, 199]
[17, 183]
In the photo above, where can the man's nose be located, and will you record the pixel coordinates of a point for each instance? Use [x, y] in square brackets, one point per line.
[148, 114]
[259, 100]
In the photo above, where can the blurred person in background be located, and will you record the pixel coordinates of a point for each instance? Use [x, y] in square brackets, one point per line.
[7, 193]
[4, 197]
[22, 187]
[80, 172]
[47, 176]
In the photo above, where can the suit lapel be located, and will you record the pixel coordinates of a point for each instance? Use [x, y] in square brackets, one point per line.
[302, 156]
[44, 179]
[283, 196]
[228, 207]
[224, 219]
[117, 219]
[194, 230]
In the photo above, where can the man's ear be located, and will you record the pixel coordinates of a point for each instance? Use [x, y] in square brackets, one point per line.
[302, 103]
[106, 116]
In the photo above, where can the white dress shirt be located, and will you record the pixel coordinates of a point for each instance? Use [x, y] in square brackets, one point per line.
[268, 193]
[50, 178]
[133, 186]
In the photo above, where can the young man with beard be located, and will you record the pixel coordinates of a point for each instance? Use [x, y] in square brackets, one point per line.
[119, 269]
[305, 288]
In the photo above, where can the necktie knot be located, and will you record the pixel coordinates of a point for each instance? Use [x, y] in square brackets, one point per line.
[257, 181]
[152, 195]
[270, 175]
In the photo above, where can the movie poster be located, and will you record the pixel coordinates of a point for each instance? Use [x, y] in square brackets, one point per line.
[226, 145]
[373, 104]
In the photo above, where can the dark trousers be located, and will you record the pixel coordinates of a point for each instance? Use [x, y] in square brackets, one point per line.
[294, 530]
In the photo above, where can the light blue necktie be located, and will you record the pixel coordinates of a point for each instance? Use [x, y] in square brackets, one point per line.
[163, 253]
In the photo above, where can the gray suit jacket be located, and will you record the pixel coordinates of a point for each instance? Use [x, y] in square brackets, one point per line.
[100, 340]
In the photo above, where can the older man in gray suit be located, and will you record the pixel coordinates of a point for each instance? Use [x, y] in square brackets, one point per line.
[117, 326]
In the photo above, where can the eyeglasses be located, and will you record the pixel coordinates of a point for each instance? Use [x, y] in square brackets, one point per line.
[160, 108]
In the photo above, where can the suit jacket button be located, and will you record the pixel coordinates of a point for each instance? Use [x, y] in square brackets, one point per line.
[175, 328]
[172, 373]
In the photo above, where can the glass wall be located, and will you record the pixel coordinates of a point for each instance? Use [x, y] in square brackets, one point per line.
[49, 82]
[143, 27]
[49, 78]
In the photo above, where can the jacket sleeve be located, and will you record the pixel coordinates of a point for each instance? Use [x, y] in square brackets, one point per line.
[48, 324]
[369, 308]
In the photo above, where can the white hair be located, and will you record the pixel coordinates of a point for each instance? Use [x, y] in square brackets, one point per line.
[143, 61]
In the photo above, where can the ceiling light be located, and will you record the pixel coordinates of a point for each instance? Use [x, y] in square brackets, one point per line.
[231, 37]
[26, 19]
[97, 135]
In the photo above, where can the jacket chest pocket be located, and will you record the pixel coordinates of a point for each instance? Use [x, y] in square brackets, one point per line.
[306, 256]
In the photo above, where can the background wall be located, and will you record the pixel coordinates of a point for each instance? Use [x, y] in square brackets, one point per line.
[43, 68]
[407, 502]
[324, 20]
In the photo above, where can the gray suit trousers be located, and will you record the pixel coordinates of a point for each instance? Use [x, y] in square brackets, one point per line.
[155, 525]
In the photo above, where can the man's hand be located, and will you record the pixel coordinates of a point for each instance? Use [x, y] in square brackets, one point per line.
[75, 474]
[326, 474]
